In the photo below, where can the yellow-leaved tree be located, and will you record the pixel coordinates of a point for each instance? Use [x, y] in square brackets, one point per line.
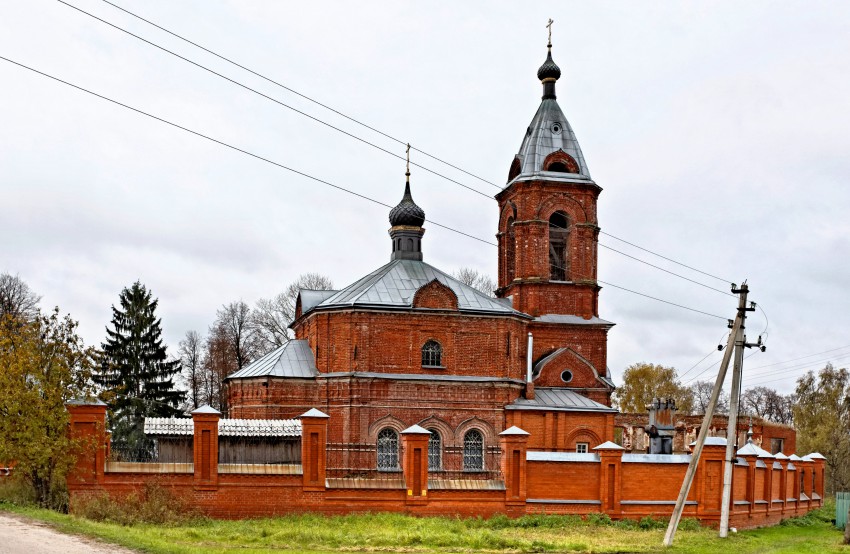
[43, 364]
[642, 382]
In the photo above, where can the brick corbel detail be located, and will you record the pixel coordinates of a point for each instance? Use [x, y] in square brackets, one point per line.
[87, 431]
[314, 449]
[205, 448]
[414, 444]
[514, 445]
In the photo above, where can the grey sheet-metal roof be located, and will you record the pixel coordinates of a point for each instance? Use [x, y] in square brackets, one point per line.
[393, 286]
[542, 138]
[419, 377]
[173, 426]
[572, 320]
[549, 456]
[657, 458]
[312, 298]
[293, 359]
[559, 399]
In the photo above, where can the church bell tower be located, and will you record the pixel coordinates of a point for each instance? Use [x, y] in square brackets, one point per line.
[548, 229]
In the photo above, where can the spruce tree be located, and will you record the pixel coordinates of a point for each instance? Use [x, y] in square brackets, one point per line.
[135, 373]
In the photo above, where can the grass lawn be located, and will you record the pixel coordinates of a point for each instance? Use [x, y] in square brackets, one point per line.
[399, 533]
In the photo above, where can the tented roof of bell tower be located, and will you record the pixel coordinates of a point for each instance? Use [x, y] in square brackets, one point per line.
[548, 134]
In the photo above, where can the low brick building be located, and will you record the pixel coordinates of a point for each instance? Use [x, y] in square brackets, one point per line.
[408, 344]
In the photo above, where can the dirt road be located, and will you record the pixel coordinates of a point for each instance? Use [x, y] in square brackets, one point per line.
[19, 535]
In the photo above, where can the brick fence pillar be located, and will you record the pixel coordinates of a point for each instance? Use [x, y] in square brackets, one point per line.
[205, 420]
[87, 431]
[414, 444]
[709, 487]
[611, 460]
[514, 443]
[806, 467]
[819, 462]
[783, 481]
[314, 449]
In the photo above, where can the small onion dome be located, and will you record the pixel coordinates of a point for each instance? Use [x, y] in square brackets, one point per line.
[407, 213]
[549, 70]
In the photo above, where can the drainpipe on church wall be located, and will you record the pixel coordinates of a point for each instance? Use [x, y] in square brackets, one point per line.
[529, 385]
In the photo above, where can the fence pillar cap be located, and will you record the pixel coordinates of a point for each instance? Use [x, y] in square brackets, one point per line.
[88, 401]
[416, 430]
[780, 456]
[513, 431]
[313, 412]
[795, 458]
[712, 441]
[816, 456]
[206, 409]
[608, 445]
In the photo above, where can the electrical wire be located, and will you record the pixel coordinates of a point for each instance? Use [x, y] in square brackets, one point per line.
[276, 101]
[355, 121]
[304, 96]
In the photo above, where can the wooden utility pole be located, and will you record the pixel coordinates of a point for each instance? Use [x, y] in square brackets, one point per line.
[732, 425]
[706, 422]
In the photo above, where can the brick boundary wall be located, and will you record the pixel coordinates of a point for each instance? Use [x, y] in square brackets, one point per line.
[766, 490]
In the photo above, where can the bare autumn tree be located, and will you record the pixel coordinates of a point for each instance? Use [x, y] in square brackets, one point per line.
[272, 316]
[234, 322]
[17, 300]
[701, 394]
[476, 280]
[191, 353]
[768, 404]
[219, 361]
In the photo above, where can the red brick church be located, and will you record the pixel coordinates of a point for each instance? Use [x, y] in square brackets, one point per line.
[408, 344]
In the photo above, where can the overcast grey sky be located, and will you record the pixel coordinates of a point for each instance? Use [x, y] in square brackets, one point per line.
[719, 132]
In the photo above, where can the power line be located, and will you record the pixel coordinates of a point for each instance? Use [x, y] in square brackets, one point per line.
[276, 101]
[301, 173]
[371, 128]
[665, 257]
[804, 366]
[712, 351]
[304, 96]
[803, 357]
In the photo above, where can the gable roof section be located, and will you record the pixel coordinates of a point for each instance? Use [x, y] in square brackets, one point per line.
[293, 359]
[560, 400]
[394, 285]
[173, 426]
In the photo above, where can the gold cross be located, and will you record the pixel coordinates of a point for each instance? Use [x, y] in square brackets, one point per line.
[549, 26]
[408, 158]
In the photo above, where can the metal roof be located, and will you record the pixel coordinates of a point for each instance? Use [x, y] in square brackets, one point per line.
[293, 359]
[171, 426]
[312, 298]
[543, 137]
[548, 456]
[559, 399]
[394, 284]
[572, 320]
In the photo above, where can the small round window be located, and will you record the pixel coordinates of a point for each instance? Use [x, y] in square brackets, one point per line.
[556, 128]
[566, 376]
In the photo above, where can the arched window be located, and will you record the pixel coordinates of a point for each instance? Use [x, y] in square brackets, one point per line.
[432, 354]
[473, 451]
[558, 234]
[387, 450]
[435, 451]
[510, 252]
[559, 167]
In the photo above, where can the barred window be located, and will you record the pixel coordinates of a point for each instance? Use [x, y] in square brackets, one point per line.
[582, 447]
[432, 354]
[387, 450]
[473, 451]
[435, 451]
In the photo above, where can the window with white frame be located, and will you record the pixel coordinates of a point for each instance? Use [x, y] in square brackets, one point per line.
[473, 451]
[432, 354]
[435, 451]
[582, 447]
[387, 450]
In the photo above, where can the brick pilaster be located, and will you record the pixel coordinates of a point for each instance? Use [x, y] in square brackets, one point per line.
[514, 444]
[314, 449]
[414, 441]
[87, 430]
[205, 420]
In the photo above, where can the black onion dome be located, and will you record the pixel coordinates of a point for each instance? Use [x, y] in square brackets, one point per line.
[549, 69]
[407, 212]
